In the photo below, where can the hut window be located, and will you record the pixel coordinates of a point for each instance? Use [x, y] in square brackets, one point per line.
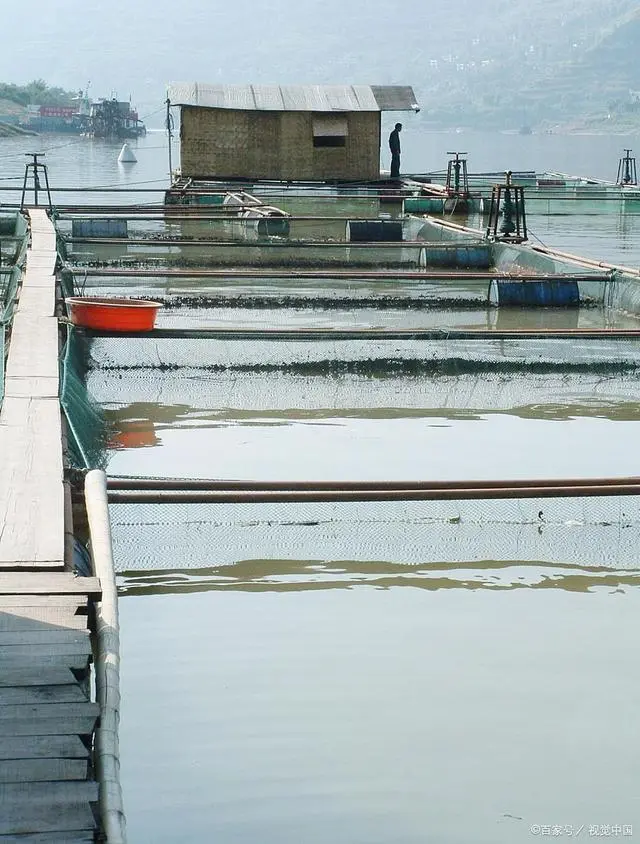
[330, 130]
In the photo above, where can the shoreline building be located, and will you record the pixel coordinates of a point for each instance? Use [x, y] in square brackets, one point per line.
[284, 133]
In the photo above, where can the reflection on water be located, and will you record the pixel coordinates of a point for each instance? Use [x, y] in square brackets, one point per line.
[394, 715]
[363, 447]
[274, 575]
[605, 237]
[137, 425]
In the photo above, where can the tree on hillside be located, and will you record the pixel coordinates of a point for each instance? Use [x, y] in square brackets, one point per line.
[36, 92]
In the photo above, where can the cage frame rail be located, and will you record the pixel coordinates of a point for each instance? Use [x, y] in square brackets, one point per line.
[199, 491]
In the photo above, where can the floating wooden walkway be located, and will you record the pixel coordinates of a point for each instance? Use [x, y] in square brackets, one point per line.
[48, 792]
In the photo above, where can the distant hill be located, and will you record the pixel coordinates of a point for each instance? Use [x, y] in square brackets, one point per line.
[488, 64]
[38, 92]
[544, 65]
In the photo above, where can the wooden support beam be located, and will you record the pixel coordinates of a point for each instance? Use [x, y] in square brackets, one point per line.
[13, 675]
[77, 601]
[42, 770]
[31, 695]
[41, 618]
[48, 719]
[69, 837]
[46, 807]
[45, 636]
[29, 583]
[43, 747]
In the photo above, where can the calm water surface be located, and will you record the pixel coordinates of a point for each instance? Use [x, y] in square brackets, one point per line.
[374, 714]
[461, 676]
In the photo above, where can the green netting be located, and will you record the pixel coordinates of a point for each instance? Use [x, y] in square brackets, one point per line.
[2, 359]
[87, 427]
[9, 283]
[159, 255]
[67, 282]
[13, 238]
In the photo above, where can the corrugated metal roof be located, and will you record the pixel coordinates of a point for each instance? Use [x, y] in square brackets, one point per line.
[395, 97]
[321, 98]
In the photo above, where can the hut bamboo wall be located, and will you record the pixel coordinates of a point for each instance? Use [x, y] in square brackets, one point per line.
[227, 143]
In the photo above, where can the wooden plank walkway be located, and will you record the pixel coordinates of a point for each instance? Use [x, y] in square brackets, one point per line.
[48, 791]
[31, 488]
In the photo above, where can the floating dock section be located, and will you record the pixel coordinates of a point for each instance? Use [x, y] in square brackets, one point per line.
[49, 790]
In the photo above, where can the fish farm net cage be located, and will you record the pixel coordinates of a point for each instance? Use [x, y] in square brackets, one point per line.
[221, 542]
[9, 283]
[213, 543]
[269, 376]
[333, 352]
[87, 428]
[214, 292]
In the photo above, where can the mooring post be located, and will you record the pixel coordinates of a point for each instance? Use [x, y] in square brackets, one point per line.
[508, 227]
[457, 176]
[34, 167]
[627, 171]
[507, 200]
[170, 136]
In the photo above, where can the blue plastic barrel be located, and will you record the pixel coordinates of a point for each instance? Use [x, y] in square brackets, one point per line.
[548, 292]
[99, 228]
[457, 256]
[374, 231]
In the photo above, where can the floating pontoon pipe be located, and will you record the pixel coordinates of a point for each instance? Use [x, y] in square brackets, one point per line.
[545, 250]
[56, 189]
[288, 273]
[333, 334]
[588, 261]
[174, 208]
[203, 484]
[260, 244]
[107, 662]
[227, 218]
[341, 495]
[298, 193]
[195, 193]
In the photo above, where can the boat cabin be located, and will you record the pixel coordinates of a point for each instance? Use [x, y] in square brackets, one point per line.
[284, 133]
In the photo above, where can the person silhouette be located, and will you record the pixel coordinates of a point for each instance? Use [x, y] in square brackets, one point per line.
[394, 146]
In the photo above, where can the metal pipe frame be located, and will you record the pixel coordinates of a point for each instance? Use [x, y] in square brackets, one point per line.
[287, 273]
[332, 334]
[339, 494]
[262, 244]
[195, 490]
[177, 484]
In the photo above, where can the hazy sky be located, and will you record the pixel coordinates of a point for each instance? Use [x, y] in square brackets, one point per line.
[137, 46]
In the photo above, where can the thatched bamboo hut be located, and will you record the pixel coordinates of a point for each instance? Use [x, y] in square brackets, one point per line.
[284, 133]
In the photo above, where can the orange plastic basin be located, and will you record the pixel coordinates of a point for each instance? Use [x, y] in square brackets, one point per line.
[112, 314]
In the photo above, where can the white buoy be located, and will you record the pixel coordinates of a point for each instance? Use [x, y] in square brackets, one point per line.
[126, 155]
